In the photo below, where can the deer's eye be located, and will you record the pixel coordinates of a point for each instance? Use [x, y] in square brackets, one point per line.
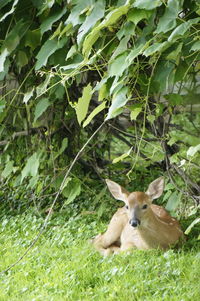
[126, 207]
[144, 206]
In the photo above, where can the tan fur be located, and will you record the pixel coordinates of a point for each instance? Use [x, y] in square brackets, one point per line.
[157, 229]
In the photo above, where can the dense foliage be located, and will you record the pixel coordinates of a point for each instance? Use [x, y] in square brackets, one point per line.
[66, 66]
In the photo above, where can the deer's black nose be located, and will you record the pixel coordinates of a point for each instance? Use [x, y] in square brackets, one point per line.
[134, 222]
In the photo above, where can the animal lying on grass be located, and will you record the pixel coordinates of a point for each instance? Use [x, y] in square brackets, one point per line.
[139, 224]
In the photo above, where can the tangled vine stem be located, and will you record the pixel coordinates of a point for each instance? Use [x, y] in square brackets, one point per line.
[43, 227]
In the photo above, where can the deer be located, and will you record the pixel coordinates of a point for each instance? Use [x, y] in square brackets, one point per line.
[139, 224]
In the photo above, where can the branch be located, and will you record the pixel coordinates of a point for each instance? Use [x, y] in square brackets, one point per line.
[31, 131]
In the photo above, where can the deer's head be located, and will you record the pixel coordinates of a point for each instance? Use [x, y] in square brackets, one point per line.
[137, 203]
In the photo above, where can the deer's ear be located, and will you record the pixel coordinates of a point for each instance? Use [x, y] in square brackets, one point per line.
[117, 191]
[156, 188]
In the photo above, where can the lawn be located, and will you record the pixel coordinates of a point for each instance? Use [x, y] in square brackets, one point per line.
[64, 266]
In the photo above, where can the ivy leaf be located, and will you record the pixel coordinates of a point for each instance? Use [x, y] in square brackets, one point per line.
[2, 105]
[11, 42]
[48, 48]
[13, 38]
[195, 46]
[136, 15]
[28, 95]
[118, 101]
[174, 55]
[77, 10]
[173, 201]
[72, 190]
[134, 53]
[72, 51]
[135, 111]
[122, 157]
[31, 167]
[8, 169]
[55, 16]
[41, 107]
[147, 4]
[83, 103]
[154, 48]
[63, 147]
[96, 111]
[168, 20]
[193, 150]
[109, 20]
[122, 47]
[32, 38]
[181, 29]
[96, 14]
[196, 221]
[22, 59]
[118, 65]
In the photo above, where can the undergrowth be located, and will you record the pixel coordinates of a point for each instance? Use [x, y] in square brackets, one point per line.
[64, 266]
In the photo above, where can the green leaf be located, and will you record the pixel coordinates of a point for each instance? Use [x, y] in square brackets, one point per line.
[193, 150]
[96, 14]
[134, 53]
[8, 169]
[118, 101]
[109, 20]
[2, 105]
[122, 157]
[174, 99]
[31, 167]
[151, 118]
[135, 111]
[157, 47]
[96, 111]
[13, 38]
[122, 47]
[28, 95]
[72, 190]
[162, 75]
[77, 10]
[174, 55]
[136, 15]
[173, 201]
[47, 49]
[168, 20]
[83, 103]
[22, 59]
[55, 16]
[41, 89]
[11, 42]
[146, 4]
[32, 38]
[196, 221]
[63, 147]
[118, 65]
[127, 29]
[195, 46]
[72, 51]
[181, 29]
[41, 107]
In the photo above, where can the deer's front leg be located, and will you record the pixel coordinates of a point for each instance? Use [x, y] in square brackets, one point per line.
[109, 242]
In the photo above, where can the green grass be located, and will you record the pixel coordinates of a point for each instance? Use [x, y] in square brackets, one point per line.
[63, 265]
